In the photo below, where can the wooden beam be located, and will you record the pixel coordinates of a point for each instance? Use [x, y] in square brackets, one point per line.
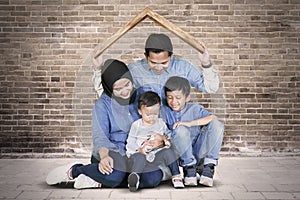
[176, 30]
[147, 12]
[137, 19]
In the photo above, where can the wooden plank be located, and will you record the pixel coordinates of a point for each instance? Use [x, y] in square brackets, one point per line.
[137, 19]
[176, 30]
[147, 12]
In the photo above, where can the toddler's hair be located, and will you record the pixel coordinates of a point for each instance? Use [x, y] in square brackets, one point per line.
[148, 99]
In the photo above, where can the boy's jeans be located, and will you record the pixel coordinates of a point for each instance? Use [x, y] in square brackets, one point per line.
[205, 145]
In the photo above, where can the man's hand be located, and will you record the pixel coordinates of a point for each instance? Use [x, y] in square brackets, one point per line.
[204, 57]
[106, 165]
[97, 62]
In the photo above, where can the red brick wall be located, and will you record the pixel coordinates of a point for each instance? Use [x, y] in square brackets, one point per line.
[46, 93]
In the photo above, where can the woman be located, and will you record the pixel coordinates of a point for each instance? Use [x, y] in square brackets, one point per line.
[112, 117]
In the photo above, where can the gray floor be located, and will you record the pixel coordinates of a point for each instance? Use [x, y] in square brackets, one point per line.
[235, 178]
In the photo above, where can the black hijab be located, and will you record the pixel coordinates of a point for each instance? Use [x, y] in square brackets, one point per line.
[112, 71]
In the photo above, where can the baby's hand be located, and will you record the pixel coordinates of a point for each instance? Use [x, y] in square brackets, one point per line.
[142, 150]
[167, 143]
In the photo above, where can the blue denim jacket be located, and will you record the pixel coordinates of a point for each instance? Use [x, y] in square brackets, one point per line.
[111, 123]
[206, 81]
[189, 113]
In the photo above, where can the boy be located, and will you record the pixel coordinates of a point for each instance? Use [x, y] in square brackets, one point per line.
[139, 149]
[194, 145]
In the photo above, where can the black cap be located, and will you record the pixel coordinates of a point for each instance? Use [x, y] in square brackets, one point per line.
[159, 41]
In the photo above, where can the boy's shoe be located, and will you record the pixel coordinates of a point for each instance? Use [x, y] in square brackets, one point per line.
[60, 174]
[206, 177]
[190, 175]
[199, 169]
[190, 181]
[83, 181]
[133, 182]
[177, 182]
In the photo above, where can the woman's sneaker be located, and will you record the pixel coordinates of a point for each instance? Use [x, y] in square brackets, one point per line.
[177, 182]
[60, 174]
[83, 181]
[207, 175]
[133, 182]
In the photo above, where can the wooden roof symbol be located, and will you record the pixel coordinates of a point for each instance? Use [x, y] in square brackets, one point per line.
[147, 12]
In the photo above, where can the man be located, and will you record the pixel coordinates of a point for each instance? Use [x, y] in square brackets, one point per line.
[159, 64]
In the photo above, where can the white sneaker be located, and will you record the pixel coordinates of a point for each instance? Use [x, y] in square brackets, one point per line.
[204, 180]
[190, 181]
[60, 174]
[177, 182]
[83, 181]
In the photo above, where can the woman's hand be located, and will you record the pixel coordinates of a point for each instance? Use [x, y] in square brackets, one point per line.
[106, 165]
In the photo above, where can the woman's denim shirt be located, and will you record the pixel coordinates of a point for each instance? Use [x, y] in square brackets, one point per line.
[111, 123]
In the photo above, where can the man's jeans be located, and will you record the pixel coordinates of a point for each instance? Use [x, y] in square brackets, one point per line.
[192, 148]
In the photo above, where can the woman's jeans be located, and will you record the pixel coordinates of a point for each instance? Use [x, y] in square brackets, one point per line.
[113, 179]
[204, 146]
[118, 177]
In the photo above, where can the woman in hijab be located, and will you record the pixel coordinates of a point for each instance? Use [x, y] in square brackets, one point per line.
[113, 114]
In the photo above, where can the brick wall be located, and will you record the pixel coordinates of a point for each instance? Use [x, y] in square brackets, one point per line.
[46, 46]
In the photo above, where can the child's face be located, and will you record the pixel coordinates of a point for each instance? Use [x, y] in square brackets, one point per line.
[149, 114]
[122, 88]
[177, 100]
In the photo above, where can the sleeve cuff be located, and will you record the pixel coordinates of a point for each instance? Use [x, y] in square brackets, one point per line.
[207, 66]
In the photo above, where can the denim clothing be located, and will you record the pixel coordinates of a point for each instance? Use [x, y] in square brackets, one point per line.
[197, 142]
[190, 112]
[205, 80]
[118, 178]
[114, 179]
[111, 123]
[110, 126]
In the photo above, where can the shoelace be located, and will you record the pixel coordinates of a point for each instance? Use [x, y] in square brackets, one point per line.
[68, 172]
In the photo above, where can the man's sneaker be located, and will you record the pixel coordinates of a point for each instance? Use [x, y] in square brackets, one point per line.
[207, 175]
[133, 182]
[60, 174]
[177, 182]
[83, 181]
[190, 181]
